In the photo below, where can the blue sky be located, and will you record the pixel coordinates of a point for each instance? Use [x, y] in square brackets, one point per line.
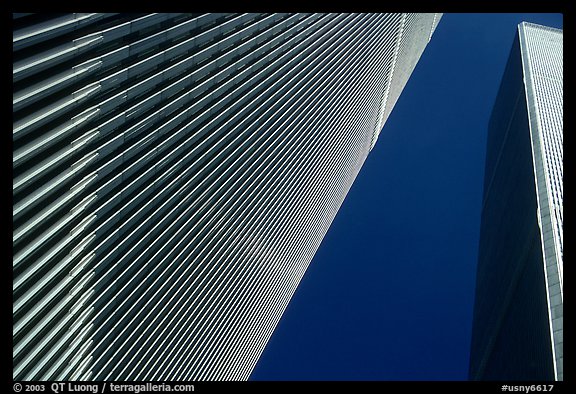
[390, 292]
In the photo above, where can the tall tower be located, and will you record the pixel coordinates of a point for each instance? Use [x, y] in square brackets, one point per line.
[174, 174]
[518, 327]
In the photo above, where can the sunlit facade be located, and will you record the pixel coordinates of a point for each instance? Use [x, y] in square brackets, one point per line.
[174, 175]
[518, 316]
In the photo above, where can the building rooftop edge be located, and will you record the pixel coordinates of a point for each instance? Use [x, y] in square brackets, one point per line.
[535, 25]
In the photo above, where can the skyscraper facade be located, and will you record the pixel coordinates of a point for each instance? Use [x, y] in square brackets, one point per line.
[174, 174]
[518, 315]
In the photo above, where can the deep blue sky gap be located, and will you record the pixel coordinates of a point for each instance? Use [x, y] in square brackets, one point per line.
[390, 292]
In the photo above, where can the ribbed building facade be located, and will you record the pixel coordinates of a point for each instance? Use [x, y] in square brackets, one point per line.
[518, 316]
[174, 174]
